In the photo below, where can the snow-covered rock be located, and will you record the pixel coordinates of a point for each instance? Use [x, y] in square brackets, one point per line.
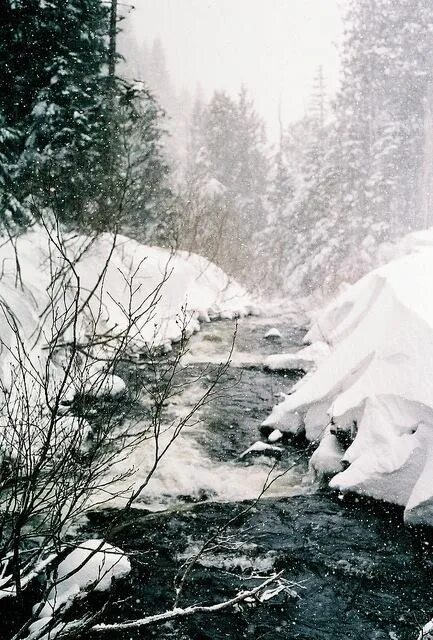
[261, 448]
[427, 631]
[272, 334]
[100, 383]
[370, 401]
[327, 458]
[93, 564]
[286, 422]
[303, 360]
[275, 436]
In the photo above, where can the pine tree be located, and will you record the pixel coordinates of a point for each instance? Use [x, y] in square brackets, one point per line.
[374, 156]
[235, 156]
[143, 187]
[56, 103]
[224, 198]
[70, 118]
[276, 242]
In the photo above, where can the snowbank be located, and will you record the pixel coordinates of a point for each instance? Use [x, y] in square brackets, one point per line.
[370, 402]
[93, 564]
[57, 290]
[121, 285]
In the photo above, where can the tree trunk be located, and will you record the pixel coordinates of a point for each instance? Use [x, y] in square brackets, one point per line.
[112, 35]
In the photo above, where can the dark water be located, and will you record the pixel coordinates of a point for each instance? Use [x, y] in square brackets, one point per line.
[357, 570]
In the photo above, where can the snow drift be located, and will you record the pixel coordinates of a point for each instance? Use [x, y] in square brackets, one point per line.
[90, 566]
[369, 404]
[116, 279]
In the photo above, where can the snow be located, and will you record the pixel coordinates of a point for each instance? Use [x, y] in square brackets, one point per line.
[272, 334]
[100, 383]
[239, 556]
[370, 400]
[261, 447]
[275, 436]
[326, 460]
[172, 293]
[93, 564]
[427, 631]
[304, 360]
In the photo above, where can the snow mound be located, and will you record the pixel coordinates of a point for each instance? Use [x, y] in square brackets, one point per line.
[261, 447]
[369, 403]
[426, 632]
[272, 334]
[275, 436]
[93, 564]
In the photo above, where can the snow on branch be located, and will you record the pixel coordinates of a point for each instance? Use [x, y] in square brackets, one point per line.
[258, 594]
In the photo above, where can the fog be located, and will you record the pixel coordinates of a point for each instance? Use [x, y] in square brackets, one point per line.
[273, 47]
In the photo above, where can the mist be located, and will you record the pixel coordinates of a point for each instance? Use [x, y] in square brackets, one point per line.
[273, 48]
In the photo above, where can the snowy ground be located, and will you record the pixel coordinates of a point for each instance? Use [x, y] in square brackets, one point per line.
[164, 288]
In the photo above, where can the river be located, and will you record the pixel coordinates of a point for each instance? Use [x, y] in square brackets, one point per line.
[355, 570]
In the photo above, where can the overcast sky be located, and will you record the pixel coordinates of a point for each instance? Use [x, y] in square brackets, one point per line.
[274, 47]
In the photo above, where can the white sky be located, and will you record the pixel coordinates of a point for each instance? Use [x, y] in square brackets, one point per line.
[274, 47]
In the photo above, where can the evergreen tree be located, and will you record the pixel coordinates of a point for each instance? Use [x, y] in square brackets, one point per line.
[71, 121]
[277, 236]
[373, 154]
[143, 189]
[223, 203]
[58, 102]
[235, 157]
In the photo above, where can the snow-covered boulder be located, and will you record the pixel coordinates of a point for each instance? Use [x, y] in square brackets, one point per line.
[275, 436]
[370, 401]
[327, 458]
[273, 334]
[262, 448]
[93, 564]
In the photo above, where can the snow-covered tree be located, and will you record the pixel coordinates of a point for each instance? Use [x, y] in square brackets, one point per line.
[222, 201]
[58, 102]
[366, 172]
[70, 118]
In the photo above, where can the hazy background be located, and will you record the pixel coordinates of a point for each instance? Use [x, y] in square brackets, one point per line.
[274, 47]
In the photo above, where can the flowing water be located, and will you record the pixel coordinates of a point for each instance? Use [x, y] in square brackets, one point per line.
[356, 572]
[205, 462]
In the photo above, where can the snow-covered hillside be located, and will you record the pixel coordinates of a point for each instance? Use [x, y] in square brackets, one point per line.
[370, 402]
[117, 281]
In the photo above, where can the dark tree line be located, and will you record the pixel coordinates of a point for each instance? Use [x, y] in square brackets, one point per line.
[72, 136]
